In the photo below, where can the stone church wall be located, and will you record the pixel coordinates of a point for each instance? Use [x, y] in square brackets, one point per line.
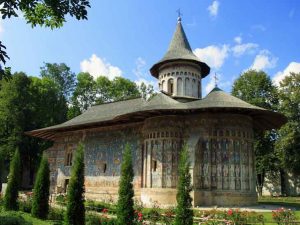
[220, 148]
[103, 157]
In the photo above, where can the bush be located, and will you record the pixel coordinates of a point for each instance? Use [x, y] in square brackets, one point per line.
[125, 211]
[14, 177]
[12, 218]
[56, 214]
[25, 206]
[184, 213]
[40, 201]
[93, 219]
[61, 199]
[75, 196]
[283, 216]
[99, 206]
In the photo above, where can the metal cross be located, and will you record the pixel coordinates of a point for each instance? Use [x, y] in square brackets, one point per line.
[216, 80]
[179, 13]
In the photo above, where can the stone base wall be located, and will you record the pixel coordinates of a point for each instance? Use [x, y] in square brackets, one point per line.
[223, 198]
[164, 197]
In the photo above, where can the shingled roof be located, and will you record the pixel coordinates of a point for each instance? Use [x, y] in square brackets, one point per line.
[180, 49]
[134, 110]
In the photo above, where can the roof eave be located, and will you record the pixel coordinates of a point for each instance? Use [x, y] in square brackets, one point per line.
[205, 69]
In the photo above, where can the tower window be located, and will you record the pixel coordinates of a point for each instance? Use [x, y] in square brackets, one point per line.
[69, 156]
[171, 86]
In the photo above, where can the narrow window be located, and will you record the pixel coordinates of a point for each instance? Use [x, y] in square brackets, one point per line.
[170, 86]
[154, 165]
[104, 168]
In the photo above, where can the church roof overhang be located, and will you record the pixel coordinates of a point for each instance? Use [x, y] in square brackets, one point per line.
[137, 110]
[205, 69]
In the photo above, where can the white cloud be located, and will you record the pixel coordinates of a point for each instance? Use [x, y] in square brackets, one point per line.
[264, 60]
[238, 39]
[213, 55]
[210, 85]
[292, 67]
[99, 67]
[141, 72]
[214, 8]
[1, 26]
[241, 49]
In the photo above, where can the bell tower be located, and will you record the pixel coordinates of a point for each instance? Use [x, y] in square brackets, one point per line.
[180, 71]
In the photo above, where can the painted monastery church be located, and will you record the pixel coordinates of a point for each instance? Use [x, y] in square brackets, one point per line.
[218, 130]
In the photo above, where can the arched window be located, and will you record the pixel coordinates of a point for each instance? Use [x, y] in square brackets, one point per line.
[194, 90]
[163, 84]
[187, 87]
[69, 156]
[199, 90]
[179, 87]
[170, 86]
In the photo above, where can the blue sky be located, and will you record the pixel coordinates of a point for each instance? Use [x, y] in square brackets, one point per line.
[125, 38]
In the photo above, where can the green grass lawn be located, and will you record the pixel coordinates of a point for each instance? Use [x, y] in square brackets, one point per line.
[285, 202]
[27, 217]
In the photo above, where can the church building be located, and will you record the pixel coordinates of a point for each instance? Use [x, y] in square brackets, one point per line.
[217, 129]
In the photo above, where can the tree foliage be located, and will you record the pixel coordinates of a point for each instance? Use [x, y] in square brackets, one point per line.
[90, 92]
[40, 202]
[75, 213]
[28, 103]
[184, 213]
[255, 87]
[125, 210]
[288, 143]
[13, 184]
[43, 13]
[62, 76]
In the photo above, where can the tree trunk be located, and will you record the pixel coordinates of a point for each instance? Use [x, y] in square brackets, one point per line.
[260, 182]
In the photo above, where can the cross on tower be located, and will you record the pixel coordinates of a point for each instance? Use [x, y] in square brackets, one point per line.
[216, 80]
[179, 15]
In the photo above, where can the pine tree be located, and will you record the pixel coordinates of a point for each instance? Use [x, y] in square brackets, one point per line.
[75, 214]
[40, 203]
[125, 211]
[184, 213]
[13, 184]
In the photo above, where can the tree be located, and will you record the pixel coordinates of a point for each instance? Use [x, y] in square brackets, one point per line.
[255, 87]
[28, 103]
[40, 202]
[75, 214]
[44, 13]
[146, 91]
[13, 184]
[125, 210]
[184, 213]
[62, 75]
[84, 95]
[288, 142]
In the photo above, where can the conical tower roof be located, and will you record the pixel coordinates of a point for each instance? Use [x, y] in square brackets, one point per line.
[180, 49]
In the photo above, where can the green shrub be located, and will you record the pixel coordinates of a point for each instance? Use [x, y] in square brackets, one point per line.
[92, 219]
[56, 214]
[25, 206]
[14, 177]
[99, 206]
[75, 212]
[125, 211]
[40, 201]
[184, 213]
[12, 218]
[61, 200]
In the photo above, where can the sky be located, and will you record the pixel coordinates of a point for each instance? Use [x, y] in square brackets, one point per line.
[125, 38]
